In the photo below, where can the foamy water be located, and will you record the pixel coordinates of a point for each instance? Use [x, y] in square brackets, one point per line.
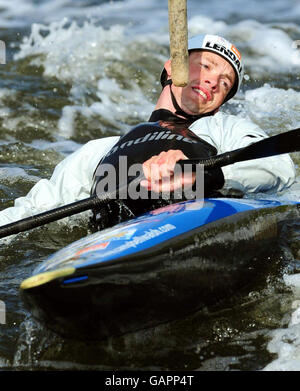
[87, 69]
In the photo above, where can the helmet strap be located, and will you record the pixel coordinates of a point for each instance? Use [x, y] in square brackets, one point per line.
[179, 110]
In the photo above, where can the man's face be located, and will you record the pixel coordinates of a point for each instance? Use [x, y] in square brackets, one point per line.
[210, 79]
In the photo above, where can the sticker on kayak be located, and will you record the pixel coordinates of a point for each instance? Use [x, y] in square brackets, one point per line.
[124, 235]
[135, 242]
[119, 234]
[79, 255]
[194, 205]
[96, 241]
[147, 235]
[100, 246]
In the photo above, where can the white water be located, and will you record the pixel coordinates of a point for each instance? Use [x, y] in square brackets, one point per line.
[286, 342]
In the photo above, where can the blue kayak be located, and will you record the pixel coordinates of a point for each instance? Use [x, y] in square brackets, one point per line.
[160, 266]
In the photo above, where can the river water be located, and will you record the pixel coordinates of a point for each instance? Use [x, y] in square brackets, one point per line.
[83, 69]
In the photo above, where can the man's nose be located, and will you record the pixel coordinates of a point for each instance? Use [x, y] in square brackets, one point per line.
[212, 81]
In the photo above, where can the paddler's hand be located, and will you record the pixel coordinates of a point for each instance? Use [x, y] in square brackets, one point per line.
[159, 173]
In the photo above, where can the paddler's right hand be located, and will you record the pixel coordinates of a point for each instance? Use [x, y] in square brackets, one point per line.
[159, 173]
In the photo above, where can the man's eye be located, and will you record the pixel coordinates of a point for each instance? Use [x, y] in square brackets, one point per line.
[225, 84]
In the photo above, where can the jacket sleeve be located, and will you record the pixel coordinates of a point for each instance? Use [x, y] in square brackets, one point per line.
[70, 181]
[228, 133]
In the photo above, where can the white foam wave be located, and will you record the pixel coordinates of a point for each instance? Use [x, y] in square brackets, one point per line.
[72, 52]
[286, 342]
[13, 174]
[64, 147]
[67, 46]
[92, 59]
[273, 108]
[17, 13]
[266, 48]
[143, 15]
[4, 110]
[21, 13]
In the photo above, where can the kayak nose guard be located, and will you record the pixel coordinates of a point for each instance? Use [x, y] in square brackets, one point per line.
[43, 278]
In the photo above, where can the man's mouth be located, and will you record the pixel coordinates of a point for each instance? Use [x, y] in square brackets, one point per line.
[205, 94]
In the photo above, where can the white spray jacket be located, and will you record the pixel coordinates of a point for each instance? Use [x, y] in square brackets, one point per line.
[72, 178]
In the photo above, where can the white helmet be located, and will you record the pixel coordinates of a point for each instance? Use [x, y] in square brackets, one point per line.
[223, 48]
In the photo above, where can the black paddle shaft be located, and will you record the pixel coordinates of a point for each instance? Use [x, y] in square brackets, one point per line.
[287, 142]
[48, 216]
[61, 212]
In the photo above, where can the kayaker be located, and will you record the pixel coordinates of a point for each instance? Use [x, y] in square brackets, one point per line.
[192, 113]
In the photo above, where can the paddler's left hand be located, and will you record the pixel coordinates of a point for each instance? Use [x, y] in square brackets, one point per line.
[160, 176]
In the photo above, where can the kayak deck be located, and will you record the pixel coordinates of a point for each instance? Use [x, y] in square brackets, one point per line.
[155, 268]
